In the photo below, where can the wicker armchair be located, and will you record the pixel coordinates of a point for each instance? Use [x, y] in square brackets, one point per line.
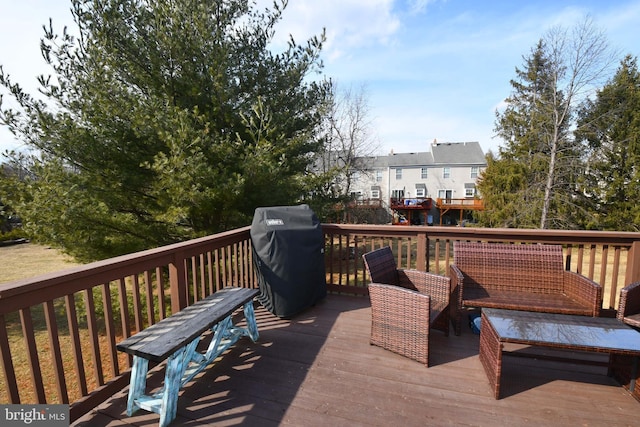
[629, 305]
[405, 305]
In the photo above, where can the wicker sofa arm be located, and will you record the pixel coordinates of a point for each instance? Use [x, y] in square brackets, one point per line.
[438, 287]
[583, 290]
[629, 300]
[457, 280]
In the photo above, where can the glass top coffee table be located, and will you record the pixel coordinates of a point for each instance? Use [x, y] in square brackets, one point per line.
[582, 333]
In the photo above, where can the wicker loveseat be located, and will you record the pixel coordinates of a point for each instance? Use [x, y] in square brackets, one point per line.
[529, 277]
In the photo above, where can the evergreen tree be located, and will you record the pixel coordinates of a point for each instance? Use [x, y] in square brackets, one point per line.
[164, 120]
[536, 127]
[611, 126]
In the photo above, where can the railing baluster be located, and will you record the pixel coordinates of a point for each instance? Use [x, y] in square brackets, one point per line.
[11, 385]
[613, 293]
[32, 354]
[210, 272]
[76, 348]
[56, 354]
[592, 261]
[148, 284]
[125, 319]
[162, 306]
[194, 279]
[603, 265]
[92, 326]
[137, 309]
[217, 269]
[580, 258]
[203, 277]
[107, 307]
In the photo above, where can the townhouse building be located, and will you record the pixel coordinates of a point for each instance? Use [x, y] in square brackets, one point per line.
[432, 187]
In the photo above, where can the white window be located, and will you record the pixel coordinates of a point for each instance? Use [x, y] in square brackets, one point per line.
[474, 171]
[378, 176]
[445, 194]
[375, 194]
[469, 192]
[398, 173]
[424, 173]
[446, 172]
[420, 192]
[397, 194]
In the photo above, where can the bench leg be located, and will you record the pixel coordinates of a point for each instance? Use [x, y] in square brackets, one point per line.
[138, 383]
[175, 369]
[225, 333]
[252, 326]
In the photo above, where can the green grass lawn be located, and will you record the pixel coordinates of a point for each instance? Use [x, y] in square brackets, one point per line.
[27, 260]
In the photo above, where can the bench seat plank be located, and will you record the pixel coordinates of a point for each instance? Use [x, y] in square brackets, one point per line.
[162, 339]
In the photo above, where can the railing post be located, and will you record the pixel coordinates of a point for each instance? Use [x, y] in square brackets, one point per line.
[633, 264]
[421, 262]
[178, 282]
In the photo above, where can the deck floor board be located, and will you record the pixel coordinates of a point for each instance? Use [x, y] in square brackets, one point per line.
[319, 369]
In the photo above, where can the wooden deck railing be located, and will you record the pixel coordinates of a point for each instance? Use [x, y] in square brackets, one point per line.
[468, 203]
[58, 331]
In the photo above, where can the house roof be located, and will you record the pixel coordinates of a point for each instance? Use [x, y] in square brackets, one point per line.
[453, 153]
[447, 153]
[410, 159]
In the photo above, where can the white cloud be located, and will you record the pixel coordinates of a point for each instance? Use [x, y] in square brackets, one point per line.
[349, 24]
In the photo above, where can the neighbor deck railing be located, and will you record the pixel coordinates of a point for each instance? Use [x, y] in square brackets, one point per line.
[58, 332]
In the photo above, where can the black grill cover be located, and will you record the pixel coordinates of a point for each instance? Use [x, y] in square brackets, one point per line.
[288, 252]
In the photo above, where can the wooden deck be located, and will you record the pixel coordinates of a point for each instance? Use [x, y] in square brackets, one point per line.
[319, 369]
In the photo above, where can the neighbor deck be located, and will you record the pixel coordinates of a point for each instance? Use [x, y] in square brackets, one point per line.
[319, 369]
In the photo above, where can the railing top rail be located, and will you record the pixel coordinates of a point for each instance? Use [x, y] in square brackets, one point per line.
[57, 284]
[493, 234]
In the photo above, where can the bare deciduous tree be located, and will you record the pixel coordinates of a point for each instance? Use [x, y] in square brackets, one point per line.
[579, 61]
[350, 136]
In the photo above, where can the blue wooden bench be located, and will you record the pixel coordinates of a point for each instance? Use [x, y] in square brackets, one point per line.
[176, 339]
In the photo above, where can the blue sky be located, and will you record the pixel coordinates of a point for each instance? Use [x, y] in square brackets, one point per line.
[432, 69]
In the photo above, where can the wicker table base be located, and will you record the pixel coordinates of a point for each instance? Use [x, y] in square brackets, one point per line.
[601, 335]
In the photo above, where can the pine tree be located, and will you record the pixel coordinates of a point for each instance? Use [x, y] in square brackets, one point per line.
[164, 121]
[611, 126]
